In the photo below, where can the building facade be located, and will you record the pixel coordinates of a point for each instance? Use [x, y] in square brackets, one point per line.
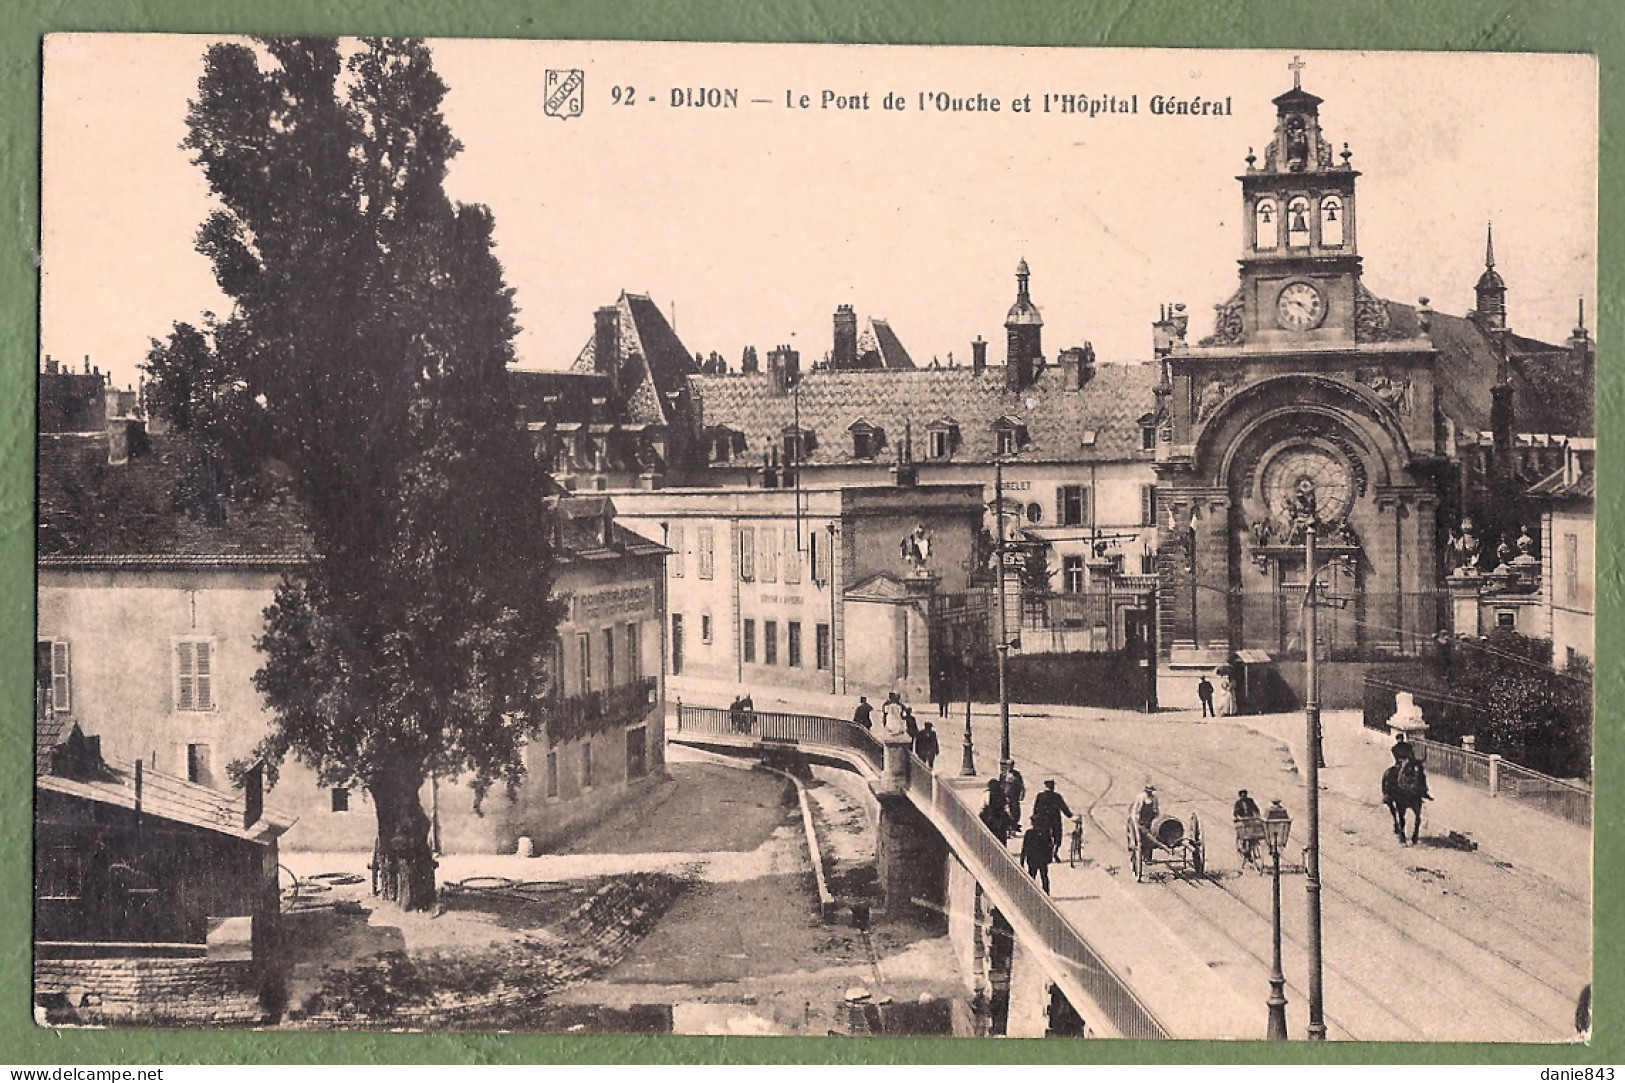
[148, 619]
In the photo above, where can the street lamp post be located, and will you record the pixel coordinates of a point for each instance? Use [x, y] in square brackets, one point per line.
[1005, 762]
[1277, 828]
[1312, 762]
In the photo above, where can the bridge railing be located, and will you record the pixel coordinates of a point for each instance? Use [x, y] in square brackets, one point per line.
[1062, 942]
[782, 727]
[1058, 939]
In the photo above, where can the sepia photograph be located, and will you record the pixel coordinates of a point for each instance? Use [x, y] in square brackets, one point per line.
[815, 540]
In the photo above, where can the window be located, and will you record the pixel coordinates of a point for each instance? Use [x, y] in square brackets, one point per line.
[197, 765]
[748, 640]
[1035, 512]
[552, 774]
[821, 646]
[1007, 441]
[1331, 222]
[768, 563]
[1148, 438]
[609, 658]
[637, 752]
[341, 799]
[1571, 568]
[1072, 575]
[194, 675]
[707, 553]
[792, 557]
[938, 443]
[747, 553]
[705, 627]
[770, 642]
[1148, 505]
[674, 542]
[634, 652]
[53, 677]
[1072, 504]
[583, 662]
[586, 764]
[1506, 618]
[1297, 223]
[792, 643]
[1266, 219]
[866, 441]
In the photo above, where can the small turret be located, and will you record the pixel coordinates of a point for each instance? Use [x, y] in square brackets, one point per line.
[1491, 309]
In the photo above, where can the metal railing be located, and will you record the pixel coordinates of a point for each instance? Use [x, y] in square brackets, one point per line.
[1058, 939]
[570, 718]
[968, 836]
[1499, 777]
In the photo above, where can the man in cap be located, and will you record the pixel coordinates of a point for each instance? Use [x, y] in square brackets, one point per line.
[1246, 808]
[1049, 809]
[1144, 813]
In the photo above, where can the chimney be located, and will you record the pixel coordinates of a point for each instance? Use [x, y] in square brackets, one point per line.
[607, 342]
[126, 439]
[846, 338]
[978, 355]
[784, 369]
[1077, 366]
[50, 365]
[1168, 332]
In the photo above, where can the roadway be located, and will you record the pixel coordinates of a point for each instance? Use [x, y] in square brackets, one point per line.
[1433, 942]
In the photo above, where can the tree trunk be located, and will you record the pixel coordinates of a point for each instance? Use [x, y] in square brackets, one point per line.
[403, 861]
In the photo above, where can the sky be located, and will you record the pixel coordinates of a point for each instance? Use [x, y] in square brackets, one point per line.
[749, 225]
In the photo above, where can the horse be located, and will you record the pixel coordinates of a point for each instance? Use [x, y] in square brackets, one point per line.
[1404, 788]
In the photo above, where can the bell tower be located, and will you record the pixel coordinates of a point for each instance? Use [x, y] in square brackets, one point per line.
[1300, 266]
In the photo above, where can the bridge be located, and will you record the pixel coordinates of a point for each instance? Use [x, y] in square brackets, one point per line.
[936, 857]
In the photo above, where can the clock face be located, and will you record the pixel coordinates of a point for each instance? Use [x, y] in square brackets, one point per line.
[1307, 477]
[1299, 307]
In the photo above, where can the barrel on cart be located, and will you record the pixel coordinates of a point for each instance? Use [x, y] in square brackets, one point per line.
[1168, 842]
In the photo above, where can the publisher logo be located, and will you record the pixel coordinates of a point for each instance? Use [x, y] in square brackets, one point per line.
[565, 93]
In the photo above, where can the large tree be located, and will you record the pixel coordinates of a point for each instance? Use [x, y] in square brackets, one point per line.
[365, 361]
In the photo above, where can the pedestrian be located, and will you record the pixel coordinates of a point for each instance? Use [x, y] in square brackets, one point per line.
[910, 725]
[1015, 789]
[1144, 813]
[1049, 812]
[926, 746]
[1204, 692]
[736, 715]
[994, 816]
[1246, 808]
[1036, 857]
[747, 711]
[891, 715]
[863, 716]
[1224, 701]
[943, 696]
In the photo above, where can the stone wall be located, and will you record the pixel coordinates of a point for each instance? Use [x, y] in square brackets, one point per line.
[145, 992]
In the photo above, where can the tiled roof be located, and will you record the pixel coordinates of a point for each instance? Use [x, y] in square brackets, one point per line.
[561, 396]
[1057, 421]
[1550, 394]
[879, 339]
[652, 364]
[89, 508]
[1554, 487]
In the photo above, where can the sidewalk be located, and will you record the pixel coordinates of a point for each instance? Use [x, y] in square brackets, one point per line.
[1504, 828]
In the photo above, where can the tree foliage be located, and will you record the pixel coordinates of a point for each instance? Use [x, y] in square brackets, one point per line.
[367, 353]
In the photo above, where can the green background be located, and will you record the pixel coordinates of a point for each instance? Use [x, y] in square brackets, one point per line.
[1594, 26]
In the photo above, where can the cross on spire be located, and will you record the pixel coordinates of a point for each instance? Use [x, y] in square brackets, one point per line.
[1297, 67]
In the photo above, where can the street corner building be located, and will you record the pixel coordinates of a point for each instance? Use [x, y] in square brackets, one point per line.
[151, 603]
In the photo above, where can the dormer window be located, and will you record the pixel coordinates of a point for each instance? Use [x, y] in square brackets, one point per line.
[942, 437]
[867, 439]
[726, 444]
[1331, 222]
[1010, 435]
[798, 444]
[1267, 225]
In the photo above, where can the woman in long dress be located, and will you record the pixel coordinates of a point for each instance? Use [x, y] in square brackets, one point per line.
[1224, 698]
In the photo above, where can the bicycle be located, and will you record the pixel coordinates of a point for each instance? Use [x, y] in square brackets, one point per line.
[1076, 854]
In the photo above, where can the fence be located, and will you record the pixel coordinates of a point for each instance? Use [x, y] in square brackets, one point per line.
[1058, 939]
[1556, 796]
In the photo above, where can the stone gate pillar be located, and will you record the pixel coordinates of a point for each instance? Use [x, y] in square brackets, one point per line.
[911, 857]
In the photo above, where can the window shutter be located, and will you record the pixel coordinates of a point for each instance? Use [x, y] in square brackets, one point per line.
[1148, 505]
[674, 542]
[792, 558]
[1085, 513]
[61, 684]
[204, 690]
[184, 700]
[747, 553]
[1063, 514]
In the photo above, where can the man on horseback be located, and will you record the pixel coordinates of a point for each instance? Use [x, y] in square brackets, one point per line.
[1405, 787]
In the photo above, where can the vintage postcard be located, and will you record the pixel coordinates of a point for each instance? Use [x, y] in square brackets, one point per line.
[815, 540]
